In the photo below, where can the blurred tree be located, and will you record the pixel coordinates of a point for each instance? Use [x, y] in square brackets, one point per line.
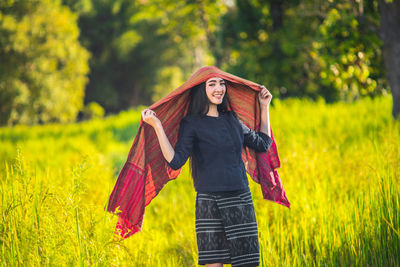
[390, 34]
[209, 16]
[43, 67]
[269, 42]
[194, 28]
[168, 78]
[349, 55]
[143, 49]
[79, 6]
[92, 111]
[136, 45]
[306, 48]
[115, 79]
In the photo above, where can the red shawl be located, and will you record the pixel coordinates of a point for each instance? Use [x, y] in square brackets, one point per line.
[146, 172]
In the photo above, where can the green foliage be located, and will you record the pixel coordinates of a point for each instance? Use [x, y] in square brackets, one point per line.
[125, 53]
[297, 48]
[168, 79]
[135, 43]
[43, 67]
[93, 111]
[339, 166]
[141, 50]
[276, 56]
[79, 6]
[349, 55]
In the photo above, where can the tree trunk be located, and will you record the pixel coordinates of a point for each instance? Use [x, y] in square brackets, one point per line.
[276, 7]
[211, 38]
[390, 35]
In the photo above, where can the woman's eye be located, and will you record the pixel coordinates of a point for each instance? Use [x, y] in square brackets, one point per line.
[214, 84]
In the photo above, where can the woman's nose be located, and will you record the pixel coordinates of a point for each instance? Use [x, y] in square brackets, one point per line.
[220, 87]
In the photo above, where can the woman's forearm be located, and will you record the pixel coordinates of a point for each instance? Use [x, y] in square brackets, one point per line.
[265, 125]
[166, 148]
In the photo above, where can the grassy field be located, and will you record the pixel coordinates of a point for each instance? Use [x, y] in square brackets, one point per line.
[339, 166]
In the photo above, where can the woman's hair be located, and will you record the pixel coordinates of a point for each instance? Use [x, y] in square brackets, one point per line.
[199, 104]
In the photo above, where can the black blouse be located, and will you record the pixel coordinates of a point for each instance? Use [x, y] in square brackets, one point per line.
[216, 144]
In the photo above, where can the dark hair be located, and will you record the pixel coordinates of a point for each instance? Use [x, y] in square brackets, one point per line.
[199, 105]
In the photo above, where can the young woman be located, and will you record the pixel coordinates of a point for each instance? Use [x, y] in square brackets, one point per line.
[213, 138]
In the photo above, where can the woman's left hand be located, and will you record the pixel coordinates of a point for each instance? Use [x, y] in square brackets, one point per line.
[264, 97]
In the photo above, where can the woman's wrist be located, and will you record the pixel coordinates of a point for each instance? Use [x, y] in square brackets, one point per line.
[264, 108]
[158, 126]
[264, 127]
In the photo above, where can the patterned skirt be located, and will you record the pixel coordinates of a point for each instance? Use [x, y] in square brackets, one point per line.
[226, 228]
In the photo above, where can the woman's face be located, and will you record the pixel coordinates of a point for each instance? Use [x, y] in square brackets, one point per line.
[215, 90]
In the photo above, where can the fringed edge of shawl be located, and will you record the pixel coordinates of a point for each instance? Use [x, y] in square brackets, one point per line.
[125, 226]
[269, 180]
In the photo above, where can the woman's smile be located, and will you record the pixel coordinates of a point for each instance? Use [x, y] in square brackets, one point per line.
[218, 96]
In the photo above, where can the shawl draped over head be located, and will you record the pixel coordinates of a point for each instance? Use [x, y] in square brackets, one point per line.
[145, 171]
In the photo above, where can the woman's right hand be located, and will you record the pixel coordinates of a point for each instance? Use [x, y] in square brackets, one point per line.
[149, 116]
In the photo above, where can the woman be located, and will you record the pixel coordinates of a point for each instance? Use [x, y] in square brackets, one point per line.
[213, 138]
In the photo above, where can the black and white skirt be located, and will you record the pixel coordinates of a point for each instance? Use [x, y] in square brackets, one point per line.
[226, 228]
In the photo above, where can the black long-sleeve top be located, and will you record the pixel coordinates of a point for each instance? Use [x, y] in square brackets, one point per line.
[216, 144]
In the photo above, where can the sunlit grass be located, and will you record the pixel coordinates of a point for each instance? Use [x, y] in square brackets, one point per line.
[340, 169]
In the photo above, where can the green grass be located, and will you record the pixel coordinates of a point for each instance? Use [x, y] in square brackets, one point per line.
[340, 169]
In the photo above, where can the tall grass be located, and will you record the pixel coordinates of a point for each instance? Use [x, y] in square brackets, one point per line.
[339, 166]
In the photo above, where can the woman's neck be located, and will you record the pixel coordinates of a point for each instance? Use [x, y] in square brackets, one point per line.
[213, 111]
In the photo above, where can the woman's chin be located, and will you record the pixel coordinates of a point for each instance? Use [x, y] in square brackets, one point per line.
[217, 101]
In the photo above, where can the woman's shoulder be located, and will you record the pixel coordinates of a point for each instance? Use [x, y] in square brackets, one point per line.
[233, 117]
[231, 113]
[190, 118]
